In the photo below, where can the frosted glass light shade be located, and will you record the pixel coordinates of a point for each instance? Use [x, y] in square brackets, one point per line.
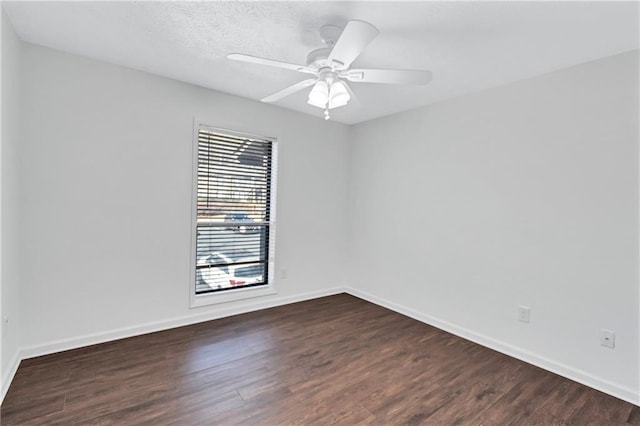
[319, 95]
[338, 95]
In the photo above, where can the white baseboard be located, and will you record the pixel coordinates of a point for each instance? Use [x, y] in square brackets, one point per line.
[577, 375]
[8, 377]
[121, 333]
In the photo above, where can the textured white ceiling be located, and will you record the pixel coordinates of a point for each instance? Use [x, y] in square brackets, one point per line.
[469, 46]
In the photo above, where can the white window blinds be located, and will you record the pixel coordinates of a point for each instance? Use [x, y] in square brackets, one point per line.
[233, 211]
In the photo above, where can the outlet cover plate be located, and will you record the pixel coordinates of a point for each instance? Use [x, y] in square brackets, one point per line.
[608, 339]
[523, 313]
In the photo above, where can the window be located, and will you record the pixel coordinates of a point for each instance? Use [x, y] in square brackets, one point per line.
[233, 203]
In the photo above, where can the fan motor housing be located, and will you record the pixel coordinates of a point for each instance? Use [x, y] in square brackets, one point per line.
[318, 58]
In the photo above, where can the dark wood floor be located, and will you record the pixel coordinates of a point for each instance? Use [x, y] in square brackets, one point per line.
[332, 360]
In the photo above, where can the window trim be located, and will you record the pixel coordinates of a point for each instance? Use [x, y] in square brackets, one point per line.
[206, 299]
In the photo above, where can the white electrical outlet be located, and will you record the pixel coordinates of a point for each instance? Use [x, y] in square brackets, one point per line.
[283, 273]
[607, 339]
[523, 313]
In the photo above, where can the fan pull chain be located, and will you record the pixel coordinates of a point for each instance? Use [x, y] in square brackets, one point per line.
[326, 111]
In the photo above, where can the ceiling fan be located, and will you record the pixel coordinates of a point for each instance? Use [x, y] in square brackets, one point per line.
[331, 67]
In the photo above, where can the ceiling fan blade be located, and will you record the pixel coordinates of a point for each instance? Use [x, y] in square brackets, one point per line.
[289, 90]
[271, 62]
[353, 40]
[388, 76]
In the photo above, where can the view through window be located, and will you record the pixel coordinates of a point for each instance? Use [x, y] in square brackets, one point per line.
[233, 211]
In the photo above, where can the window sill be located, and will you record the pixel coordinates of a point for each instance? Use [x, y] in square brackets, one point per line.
[199, 300]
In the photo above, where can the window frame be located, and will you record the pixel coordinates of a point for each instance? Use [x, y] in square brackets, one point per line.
[233, 294]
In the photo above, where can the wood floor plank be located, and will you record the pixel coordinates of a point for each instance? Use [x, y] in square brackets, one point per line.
[607, 407]
[634, 416]
[515, 406]
[31, 408]
[332, 360]
[427, 394]
[565, 400]
[479, 394]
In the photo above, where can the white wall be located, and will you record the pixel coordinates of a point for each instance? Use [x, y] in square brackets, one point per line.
[525, 194]
[107, 210]
[9, 200]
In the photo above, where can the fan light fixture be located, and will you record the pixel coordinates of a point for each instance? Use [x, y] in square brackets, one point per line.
[328, 95]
